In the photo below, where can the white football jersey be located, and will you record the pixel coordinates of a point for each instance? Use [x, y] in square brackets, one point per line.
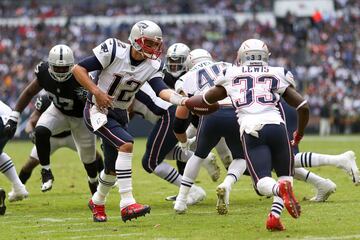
[202, 77]
[255, 92]
[5, 112]
[119, 78]
[148, 105]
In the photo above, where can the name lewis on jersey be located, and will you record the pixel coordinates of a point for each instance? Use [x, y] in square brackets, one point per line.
[251, 69]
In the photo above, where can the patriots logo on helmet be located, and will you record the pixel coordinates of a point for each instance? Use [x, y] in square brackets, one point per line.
[142, 26]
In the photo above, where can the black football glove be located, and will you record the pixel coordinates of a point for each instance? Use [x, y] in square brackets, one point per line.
[11, 124]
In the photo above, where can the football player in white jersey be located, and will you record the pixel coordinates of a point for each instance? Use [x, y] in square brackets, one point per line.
[162, 143]
[7, 167]
[124, 68]
[255, 89]
[199, 78]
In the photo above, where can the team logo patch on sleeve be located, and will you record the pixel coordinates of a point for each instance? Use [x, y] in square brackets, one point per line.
[104, 48]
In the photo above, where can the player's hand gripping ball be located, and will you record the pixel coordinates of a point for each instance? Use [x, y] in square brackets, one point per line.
[197, 105]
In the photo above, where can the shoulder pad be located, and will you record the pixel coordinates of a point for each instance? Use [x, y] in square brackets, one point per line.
[106, 51]
[41, 67]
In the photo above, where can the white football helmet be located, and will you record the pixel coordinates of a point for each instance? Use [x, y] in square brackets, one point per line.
[61, 60]
[197, 56]
[175, 59]
[146, 37]
[253, 52]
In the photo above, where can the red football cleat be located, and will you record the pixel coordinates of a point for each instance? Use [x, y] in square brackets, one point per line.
[134, 211]
[273, 223]
[98, 212]
[290, 202]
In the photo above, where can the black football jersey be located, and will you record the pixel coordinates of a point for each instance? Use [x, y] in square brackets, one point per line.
[169, 79]
[68, 96]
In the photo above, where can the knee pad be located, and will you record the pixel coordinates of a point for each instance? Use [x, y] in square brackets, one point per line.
[265, 186]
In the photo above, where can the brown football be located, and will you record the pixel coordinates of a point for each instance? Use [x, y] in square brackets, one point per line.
[197, 105]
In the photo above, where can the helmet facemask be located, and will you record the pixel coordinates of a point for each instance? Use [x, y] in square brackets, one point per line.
[60, 73]
[175, 65]
[150, 47]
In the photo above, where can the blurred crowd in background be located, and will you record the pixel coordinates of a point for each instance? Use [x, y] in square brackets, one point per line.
[323, 52]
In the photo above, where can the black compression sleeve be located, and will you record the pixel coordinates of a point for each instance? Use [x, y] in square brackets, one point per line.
[180, 125]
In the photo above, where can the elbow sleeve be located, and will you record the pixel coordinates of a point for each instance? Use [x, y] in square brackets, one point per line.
[180, 125]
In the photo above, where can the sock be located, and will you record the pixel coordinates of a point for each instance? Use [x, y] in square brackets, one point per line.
[178, 154]
[123, 173]
[42, 142]
[106, 182]
[267, 186]
[91, 169]
[186, 184]
[168, 173]
[309, 159]
[26, 170]
[24, 176]
[236, 169]
[8, 169]
[100, 162]
[193, 167]
[307, 176]
[277, 206]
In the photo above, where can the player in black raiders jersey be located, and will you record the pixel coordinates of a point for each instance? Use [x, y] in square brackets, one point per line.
[65, 112]
[63, 139]
[174, 68]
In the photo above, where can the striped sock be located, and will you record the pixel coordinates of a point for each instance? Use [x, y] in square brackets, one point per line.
[123, 171]
[186, 184]
[106, 182]
[8, 169]
[277, 206]
[178, 154]
[168, 173]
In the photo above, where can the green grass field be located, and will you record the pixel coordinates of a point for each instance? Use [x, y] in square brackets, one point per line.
[62, 213]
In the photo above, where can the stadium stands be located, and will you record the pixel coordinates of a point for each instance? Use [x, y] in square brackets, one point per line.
[323, 52]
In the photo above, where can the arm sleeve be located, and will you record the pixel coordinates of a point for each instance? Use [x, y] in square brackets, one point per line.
[157, 84]
[91, 63]
[105, 52]
[180, 125]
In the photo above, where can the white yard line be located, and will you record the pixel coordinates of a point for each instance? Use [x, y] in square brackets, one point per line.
[357, 236]
[107, 235]
[72, 230]
[51, 225]
[346, 138]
